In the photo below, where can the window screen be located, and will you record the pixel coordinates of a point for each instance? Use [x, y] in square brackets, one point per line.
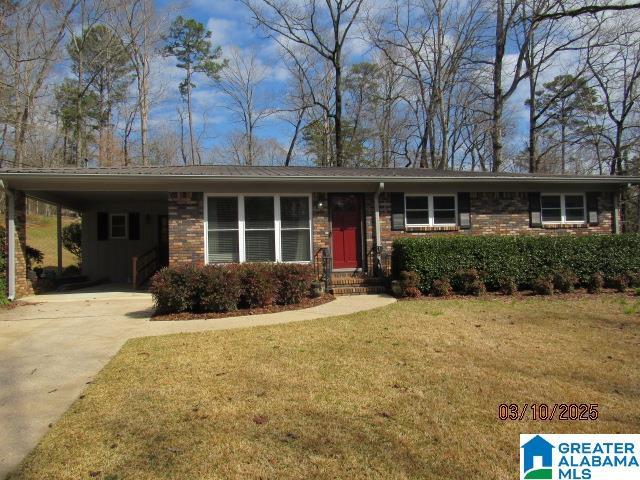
[417, 210]
[259, 234]
[444, 210]
[118, 227]
[551, 208]
[223, 229]
[295, 232]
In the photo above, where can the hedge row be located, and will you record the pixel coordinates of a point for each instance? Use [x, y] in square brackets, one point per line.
[224, 288]
[524, 258]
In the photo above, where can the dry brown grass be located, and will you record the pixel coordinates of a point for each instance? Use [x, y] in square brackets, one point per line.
[408, 391]
[42, 234]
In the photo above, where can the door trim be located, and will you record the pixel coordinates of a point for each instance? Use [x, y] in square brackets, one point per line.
[361, 227]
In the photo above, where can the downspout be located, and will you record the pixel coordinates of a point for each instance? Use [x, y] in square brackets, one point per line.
[376, 220]
[11, 243]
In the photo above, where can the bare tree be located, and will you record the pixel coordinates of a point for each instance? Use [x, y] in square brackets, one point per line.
[37, 29]
[614, 61]
[242, 83]
[322, 27]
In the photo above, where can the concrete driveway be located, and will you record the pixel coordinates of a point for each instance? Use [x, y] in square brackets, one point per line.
[52, 347]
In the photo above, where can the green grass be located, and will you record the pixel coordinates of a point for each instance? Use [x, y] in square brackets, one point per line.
[42, 234]
[408, 391]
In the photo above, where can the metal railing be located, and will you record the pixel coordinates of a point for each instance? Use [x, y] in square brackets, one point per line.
[144, 266]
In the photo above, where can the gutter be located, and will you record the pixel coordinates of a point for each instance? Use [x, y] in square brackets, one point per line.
[322, 179]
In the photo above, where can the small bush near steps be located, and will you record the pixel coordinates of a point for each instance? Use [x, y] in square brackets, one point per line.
[225, 288]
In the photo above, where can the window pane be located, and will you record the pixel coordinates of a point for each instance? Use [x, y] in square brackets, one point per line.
[418, 202]
[118, 220]
[222, 212]
[117, 231]
[295, 246]
[260, 245]
[417, 217]
[294, 212]
[223, 246]
[258, 212]
[574, 201]
[575, 214]
[551, 215]
[550, 201]
[444, 203]
[444, 216]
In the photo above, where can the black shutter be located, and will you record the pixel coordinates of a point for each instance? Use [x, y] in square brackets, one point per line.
[592, 208]
[397, 211]
[134, 226]
[535, 213]
[103, 226]
[464, 210]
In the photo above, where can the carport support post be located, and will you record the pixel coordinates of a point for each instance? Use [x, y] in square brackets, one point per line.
[59, 227]
[19, 284]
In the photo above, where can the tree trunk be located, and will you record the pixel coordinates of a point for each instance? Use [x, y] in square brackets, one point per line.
[498, 99]
[292, 144]
[338, 118]
[191, 141]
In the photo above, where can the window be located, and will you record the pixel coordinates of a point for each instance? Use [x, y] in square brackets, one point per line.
[118, 226]
[295, 229]
[258, 228]
[430, 210]
[223, 229]
[562, 208]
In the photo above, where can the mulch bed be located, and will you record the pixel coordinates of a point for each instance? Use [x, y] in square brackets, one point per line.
[306, 303]
[578, 294]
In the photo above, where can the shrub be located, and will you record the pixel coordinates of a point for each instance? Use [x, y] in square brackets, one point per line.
[169, 290]
[34, 257]
[72, 239]
[523, 257]
[441, 287]
[294, 282]
[259, 284]
[634, 278]
[564, 280]
[595, 283]
[469, 282]
[71, 271]
[221, 289]
[620, 283]
[543, 285]
[507, 285]
[412, 292]
[409, 284]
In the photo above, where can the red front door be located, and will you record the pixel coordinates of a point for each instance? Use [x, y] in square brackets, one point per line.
[345, 230]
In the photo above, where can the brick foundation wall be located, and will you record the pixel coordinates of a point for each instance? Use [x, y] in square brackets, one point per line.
[23, 284]
[498, 213]
[186, 228]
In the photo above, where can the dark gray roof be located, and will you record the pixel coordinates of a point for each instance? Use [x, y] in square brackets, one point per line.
[296, 172]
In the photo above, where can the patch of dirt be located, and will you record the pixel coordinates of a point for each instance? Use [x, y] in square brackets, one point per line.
[306, 303]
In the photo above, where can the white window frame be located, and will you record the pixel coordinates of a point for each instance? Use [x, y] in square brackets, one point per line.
[431, 212]
[563, 211]
[242, 257]
[126, 226]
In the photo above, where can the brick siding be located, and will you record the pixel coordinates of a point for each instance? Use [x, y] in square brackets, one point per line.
[498, 213]
[186, 228]
[23, 284]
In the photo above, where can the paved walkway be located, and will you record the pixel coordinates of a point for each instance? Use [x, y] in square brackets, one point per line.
[49, 351]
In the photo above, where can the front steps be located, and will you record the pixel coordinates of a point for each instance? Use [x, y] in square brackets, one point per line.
[356, 284]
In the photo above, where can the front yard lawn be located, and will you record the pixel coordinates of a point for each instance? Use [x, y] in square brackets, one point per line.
[408, 391]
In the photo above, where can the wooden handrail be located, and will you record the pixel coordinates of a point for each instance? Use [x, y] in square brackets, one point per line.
[143, 266]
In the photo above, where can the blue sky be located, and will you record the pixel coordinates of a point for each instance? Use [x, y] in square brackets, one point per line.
[231, 26]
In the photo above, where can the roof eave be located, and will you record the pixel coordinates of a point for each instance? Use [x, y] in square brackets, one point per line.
[333, 179]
